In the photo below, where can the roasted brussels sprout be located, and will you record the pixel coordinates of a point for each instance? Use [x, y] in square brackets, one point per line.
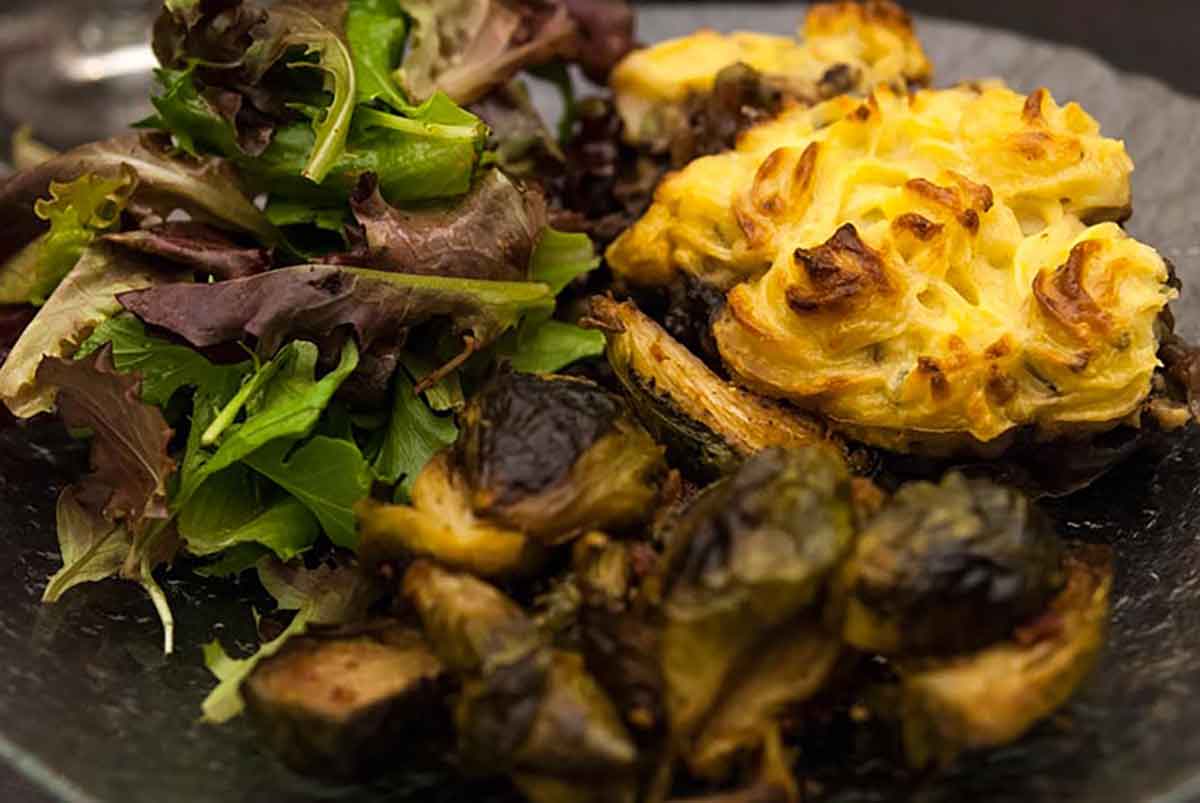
[440, 523]
[946, 568]
[341, 702]
[750, 553]
[550, 455]
[992, 697]
[525, 709]
[709, 425]
[793, 664]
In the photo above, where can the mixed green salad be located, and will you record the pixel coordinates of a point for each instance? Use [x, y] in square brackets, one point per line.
[268, 303]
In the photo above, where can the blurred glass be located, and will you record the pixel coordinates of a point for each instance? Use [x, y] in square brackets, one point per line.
[75, 70]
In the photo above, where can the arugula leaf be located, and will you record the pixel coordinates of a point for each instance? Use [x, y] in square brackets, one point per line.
[284, 408]
[164, 367]
[562, 257]
[376, 30]
[78, 212]
[414, 435]
[92, 547]
[196, 126]
[227, 501]
[286, 527]
[550, 346]
[328, 476]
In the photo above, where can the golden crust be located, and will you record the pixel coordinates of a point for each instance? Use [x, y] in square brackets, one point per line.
[922, 268]
[867, 43]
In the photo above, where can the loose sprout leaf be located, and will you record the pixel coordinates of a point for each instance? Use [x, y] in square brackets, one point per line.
[77, 212]
[331, 594]
[414, 435]
[164, 367]
[562, 257]
[225, 701]
[489, 234]
[84, 299]
[92, 547]
[285, 407]
[329, 476]
[550, 346]
[314, 300]
[131, 465]
[376, 30]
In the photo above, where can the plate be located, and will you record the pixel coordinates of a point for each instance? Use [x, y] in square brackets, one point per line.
[90, 710]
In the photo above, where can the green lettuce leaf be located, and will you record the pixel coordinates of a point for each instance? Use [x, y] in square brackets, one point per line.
[414, 434]
[83, 300]
[92, 547]
[78, 212]
[196, 126]
[234, 561]
[329, 476]
[550, 346]
[284, 526]
[562, 257]
[376, 30]
[164, 367]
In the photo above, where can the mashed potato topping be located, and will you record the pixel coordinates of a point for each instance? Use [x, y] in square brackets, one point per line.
[843, 46]
[921, 268]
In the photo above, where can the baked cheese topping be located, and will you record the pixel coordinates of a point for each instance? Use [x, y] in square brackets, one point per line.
[920, 267]
[843, 45]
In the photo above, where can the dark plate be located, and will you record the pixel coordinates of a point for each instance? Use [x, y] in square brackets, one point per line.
[91, 711]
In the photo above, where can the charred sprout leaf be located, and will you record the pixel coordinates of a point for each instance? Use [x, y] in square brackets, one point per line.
[489, 234]
[551, 455]
[342, 703]
[313, 301]
[376, 30]
[561, 257]
[992, 697]
[92, 547]
[131, 465]
[467, 47]
[332, 593]
[794, 664]
[709, 425]
[85, 298]
[414, 435]
[164, 367]
[197, 246]
[327, 475]
[947, 568]
[77, 212]
[208, 189]
[440, 524]
[749, 554]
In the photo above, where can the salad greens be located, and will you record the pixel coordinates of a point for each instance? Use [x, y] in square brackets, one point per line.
[275, 301]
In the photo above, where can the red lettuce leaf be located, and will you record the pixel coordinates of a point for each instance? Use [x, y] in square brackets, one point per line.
[197, 246]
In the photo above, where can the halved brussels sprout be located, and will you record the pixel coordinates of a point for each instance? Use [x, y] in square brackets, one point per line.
[794, 664]
[749, 554]
[946, 568]
[440, 523]
[525, 709]
[341, 702]
[550, 455]
[708, 425]
[992, 697]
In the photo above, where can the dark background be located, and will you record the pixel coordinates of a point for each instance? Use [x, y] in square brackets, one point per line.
[1154, 37]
